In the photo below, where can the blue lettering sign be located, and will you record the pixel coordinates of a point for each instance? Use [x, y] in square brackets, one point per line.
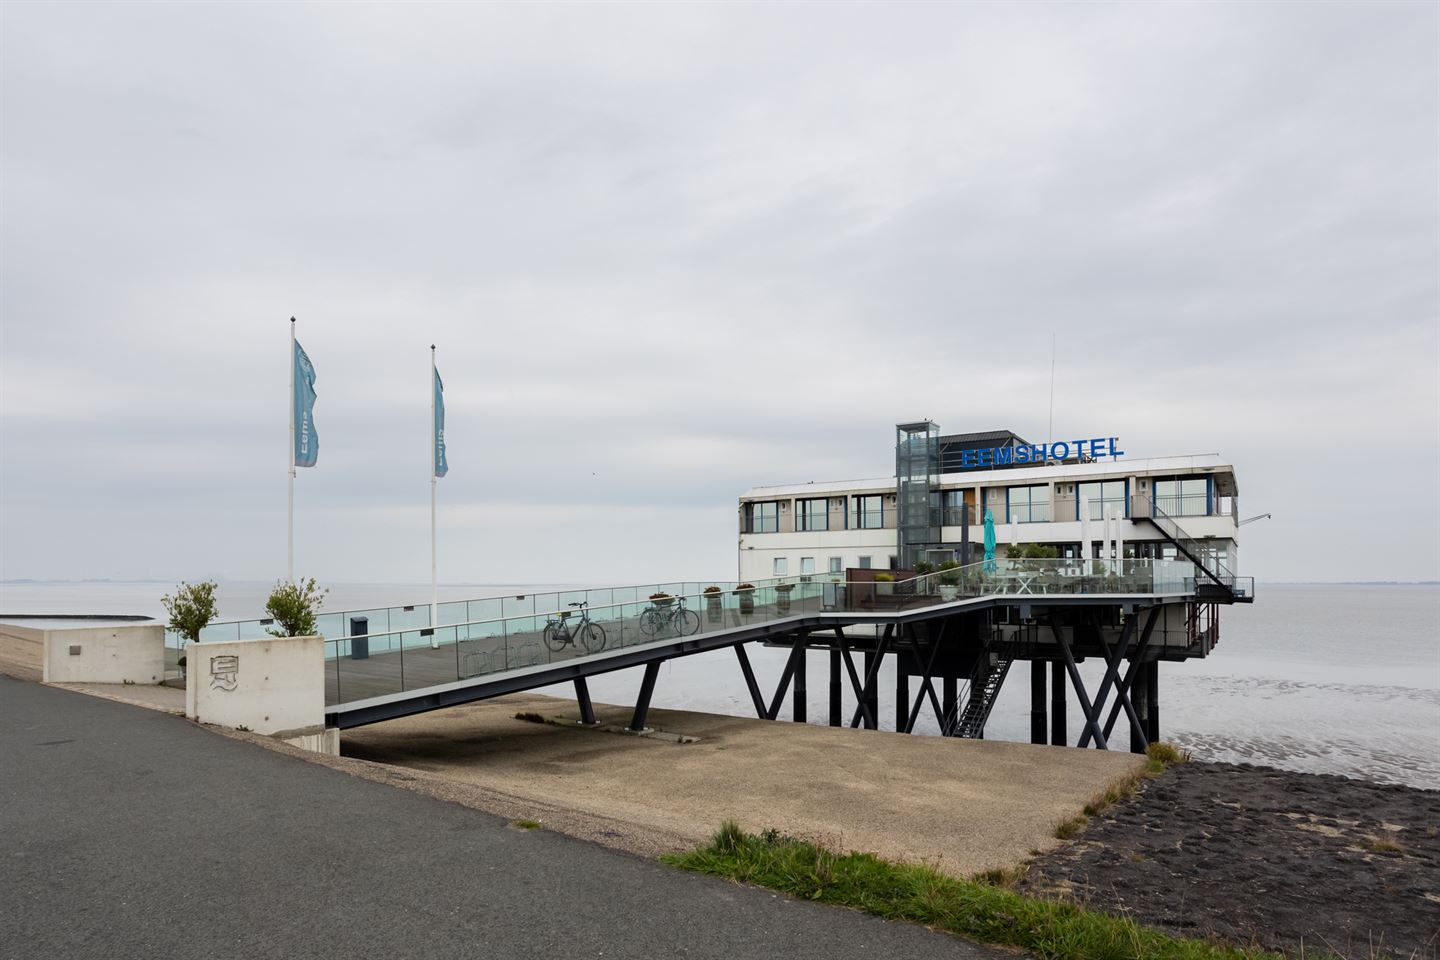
[1040, 453]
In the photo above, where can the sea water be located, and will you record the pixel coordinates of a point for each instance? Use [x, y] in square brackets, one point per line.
[1312, 677]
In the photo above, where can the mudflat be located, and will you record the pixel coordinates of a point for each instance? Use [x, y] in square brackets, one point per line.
[1257, 855]
[963, 806]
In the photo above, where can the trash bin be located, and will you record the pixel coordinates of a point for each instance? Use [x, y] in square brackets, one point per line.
[359, 643]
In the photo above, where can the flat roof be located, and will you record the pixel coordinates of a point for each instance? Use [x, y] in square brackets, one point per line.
[1014, 476]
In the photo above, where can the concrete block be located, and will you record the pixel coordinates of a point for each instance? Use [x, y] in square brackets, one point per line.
[133, 654]
[273, 686]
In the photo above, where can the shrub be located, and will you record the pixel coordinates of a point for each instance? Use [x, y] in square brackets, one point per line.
[884, 578]
[294, 606]
[745, 586]
[710, 590]
[191, 608]
[923, 567]
[659, 596]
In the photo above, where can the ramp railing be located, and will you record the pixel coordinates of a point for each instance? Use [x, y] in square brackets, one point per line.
[381, 663]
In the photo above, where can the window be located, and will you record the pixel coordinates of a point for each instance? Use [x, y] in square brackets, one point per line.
[837, 564]
[762, 517]
[1102, 495]
[871, 512]
[995, 503]
[1183, 497]
[956, 512]
[812, 514]
[1029, 504]
[864, 563]
[781, 566]
[807, 565]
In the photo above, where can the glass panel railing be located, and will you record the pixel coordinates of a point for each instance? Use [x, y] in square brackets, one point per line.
[363, 667]
[359, 668]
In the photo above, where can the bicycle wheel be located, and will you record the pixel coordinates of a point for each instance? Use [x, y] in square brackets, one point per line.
[650, 622]
[592, 637]
[554, 638]
[686, 622]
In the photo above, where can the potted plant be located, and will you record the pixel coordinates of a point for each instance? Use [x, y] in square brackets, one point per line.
[949, 580]
[746, 593]
[191, 608]
[782, 597]
[294, 606]
[884, 584]
[661, 599]
[713, 604]
[924, 568]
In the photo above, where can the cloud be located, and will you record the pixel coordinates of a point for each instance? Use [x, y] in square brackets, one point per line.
[671, 253]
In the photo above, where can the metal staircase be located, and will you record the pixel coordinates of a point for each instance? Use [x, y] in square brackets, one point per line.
[1222, 584]
[984, 686]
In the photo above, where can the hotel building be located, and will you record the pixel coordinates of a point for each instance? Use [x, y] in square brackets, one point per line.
[1080, 496]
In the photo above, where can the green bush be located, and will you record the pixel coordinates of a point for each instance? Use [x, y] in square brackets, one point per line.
[191, 608]
[884, 578]
[294, 606]
[923, 567]
[1031, 551]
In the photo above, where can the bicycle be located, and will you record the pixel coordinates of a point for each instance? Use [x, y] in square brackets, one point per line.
[660, 616]
[559, 634]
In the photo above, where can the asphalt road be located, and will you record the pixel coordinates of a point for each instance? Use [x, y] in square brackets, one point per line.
[129, 833]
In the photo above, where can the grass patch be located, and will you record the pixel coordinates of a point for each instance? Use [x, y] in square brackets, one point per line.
[525, 824]
[920, 894]
[529, 717]
[1381, 845]
[1158, 756]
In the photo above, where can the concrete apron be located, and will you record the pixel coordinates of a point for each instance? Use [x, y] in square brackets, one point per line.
[964, 806]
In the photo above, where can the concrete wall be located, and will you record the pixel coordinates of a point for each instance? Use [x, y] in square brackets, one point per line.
[22, 652]
[271, 686]
[105, 655]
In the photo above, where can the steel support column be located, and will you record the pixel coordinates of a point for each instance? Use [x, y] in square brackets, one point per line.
[798, 704]
[1140, 699]
[949, 688]
[902, 690]
[1037, 701]
[872, 691]
[1092, 723]
[582, 696]
[1113, 659]
[642, 702]
[835, 689]
[1152, 698]
[1059, 736]
[755, 696]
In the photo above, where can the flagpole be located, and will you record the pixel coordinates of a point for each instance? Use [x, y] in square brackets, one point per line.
[290, 466]
[434, 581]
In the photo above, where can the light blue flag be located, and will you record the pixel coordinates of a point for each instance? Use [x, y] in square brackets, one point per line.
[302, 408]
[442, 467]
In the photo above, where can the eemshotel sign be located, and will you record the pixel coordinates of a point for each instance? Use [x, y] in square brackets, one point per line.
[1040, 452]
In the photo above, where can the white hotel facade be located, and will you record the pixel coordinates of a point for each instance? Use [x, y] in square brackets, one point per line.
[1061, 495]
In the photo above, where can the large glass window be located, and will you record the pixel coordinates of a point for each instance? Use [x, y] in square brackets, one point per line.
[1102, 495]
[956, 511]
[870, 512]
[763, 517]
[812, 514]
[1029, 504]
[1183, 496]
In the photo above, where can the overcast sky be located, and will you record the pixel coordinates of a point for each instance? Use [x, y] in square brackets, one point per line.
[669, 252]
